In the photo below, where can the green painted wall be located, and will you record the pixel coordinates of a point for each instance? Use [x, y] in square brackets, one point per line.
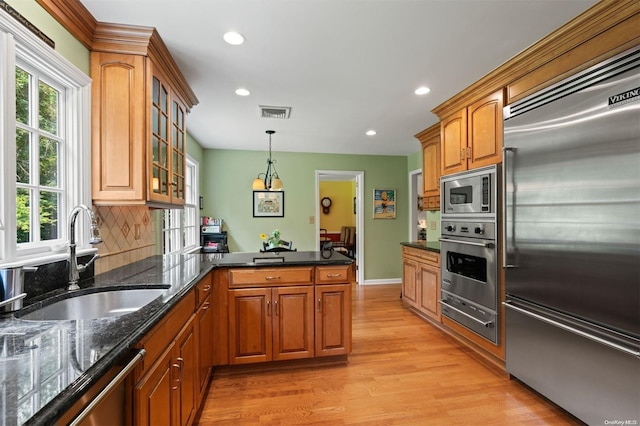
[66, 44]
[226, 187]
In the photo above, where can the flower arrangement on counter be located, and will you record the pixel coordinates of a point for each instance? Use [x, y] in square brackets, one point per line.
[272, 240]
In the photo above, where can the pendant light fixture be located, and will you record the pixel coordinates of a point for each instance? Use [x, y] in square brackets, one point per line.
[270, 181]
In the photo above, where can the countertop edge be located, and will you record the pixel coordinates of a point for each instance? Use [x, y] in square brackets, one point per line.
[433, 246]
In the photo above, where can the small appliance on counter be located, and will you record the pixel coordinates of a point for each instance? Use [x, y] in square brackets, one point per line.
[212, 238]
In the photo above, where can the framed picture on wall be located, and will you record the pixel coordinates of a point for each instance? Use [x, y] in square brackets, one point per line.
[384, 203]
[268, 204]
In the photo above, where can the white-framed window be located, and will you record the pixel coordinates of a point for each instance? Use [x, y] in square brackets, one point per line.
[45, 145]
[180, 230]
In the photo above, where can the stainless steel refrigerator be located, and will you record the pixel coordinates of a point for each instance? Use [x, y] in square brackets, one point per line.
[571, 195]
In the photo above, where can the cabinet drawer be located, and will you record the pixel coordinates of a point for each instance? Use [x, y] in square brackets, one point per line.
[333, 274]
[204, 289]
[422, 255]
[261, 277]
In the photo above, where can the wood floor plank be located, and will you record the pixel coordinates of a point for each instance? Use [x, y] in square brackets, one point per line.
[402, 371]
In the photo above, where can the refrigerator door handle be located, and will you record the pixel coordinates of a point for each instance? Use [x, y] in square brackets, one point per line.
[505, 166]
[509, 304]
[469, 243]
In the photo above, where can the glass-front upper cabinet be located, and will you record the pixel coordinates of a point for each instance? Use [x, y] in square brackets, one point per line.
[140, 103]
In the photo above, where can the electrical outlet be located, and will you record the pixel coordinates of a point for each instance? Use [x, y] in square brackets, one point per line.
[312, 220]
[433, 225]
[136, 231]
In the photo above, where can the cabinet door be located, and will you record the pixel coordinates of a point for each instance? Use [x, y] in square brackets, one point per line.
[431, 168]
[485, 131]
[160, 162]
[409, 282]
[178, 150]
[118, 137]
[293, 322]
[156, 395]
[429, 279]
[250, 337]
[204, 327]
[453, 141]
[186, 358]
[333, 319]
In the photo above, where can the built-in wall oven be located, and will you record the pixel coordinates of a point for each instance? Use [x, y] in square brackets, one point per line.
[469, 287]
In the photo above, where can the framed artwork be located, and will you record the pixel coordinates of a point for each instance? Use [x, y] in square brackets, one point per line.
[384, 203]
[268, 204]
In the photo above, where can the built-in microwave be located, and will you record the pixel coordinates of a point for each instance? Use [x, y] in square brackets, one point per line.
[470, 192]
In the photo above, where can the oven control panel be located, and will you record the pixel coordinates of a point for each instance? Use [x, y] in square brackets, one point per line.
[483, 230]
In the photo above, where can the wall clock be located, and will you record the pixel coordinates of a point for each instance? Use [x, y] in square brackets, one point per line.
[326, 205]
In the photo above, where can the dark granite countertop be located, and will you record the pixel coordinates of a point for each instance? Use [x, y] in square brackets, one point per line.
[424, 245]
[46, 366]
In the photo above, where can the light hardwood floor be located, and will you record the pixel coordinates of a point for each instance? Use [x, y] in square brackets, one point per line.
[402, 371]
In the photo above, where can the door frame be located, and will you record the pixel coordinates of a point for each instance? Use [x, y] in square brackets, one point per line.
[358, 176]
[413, 202]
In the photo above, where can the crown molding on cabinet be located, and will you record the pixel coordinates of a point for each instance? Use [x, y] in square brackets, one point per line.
[144, 41]
[429, 133]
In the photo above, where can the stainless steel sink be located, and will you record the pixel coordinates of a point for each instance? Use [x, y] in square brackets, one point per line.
[95, 305]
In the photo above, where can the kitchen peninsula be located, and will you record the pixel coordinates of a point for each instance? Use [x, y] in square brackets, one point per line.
[203, 318]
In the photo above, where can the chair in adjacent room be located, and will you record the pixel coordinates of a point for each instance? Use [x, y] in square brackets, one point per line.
[347, 242]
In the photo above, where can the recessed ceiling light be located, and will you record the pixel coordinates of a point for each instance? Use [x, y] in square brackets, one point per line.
[242, 92]
[371, 132]
[233, 37]
[423, 90]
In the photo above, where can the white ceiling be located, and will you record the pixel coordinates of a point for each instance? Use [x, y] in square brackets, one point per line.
[343, 66]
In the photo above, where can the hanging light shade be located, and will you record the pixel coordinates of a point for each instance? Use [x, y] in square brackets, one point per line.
[269, 180]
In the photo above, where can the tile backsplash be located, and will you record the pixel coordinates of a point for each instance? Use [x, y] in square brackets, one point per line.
[128, 235]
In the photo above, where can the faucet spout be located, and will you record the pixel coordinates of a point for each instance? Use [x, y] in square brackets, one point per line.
[74, 268]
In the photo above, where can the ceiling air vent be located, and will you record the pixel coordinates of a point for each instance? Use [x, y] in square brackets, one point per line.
[274, 111]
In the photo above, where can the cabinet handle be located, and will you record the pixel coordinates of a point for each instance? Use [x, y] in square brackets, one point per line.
[172, 379]
[181, 364]
[275, 308]
[268, 308]
[333, 275]
[462, 151]
[319, 305]
[469, 152]
[206, 288]
[205, 306]
[269, 278]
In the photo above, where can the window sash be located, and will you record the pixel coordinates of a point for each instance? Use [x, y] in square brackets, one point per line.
[180, 231]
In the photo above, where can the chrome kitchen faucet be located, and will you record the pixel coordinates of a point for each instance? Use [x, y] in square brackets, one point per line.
[74, 268]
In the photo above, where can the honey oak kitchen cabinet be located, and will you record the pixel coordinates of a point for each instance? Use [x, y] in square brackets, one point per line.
[421, 281]
[140, 101]
[288, 313]
[430, 142]
[472, 137]
[270, 314]
[165, 385]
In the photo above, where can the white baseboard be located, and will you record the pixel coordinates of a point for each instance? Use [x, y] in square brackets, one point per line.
[382, 281]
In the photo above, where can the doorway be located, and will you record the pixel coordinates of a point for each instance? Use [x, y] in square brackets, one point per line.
[357, 178]
[417, 216]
